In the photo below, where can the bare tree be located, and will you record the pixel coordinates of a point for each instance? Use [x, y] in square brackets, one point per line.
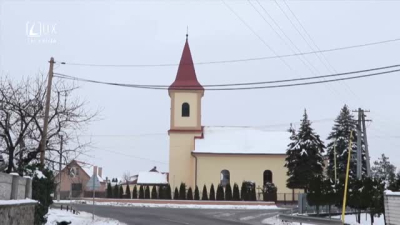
[21, 120]
[126, 176]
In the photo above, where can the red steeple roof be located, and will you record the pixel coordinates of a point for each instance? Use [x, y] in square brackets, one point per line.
[186, 77]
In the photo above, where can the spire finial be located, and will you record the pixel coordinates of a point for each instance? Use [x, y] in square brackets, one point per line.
[187, 32]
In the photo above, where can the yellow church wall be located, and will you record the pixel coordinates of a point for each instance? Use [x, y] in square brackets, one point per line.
[242, 168]
[181, 162]
[191, 122]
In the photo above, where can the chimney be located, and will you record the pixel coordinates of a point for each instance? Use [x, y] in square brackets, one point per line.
[100, 171]
[95, 170]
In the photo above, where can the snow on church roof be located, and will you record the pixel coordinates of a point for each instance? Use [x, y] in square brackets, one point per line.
[152, 178]
[242, 140]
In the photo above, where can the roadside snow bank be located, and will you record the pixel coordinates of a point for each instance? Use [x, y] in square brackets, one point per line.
[83, 218]
[17, 202]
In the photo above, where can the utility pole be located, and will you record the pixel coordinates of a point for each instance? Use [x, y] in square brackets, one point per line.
[59, 169]
[362, 135]
[359, 147]
[46, 112]
[366, 143]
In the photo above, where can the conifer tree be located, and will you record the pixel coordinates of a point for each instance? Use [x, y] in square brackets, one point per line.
[189, 194]
[162, 192]
[176, 194]
[340, 137]
[147, 192]
[304, 156]
[109, 191]
[141, 192]
[154, 193]
[134, 192]
[244, 194]
[128, 191]
[220, 193]
[228, 192]
[212, 192]
[182, 191]
[205, 193]
[116, 191]
[168, 194]
[384, 170]
[196, 193]
[121, 192]
[236, 195]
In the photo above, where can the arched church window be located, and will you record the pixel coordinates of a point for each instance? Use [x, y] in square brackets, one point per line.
[267, 176]
[185, 109]
[225, 177]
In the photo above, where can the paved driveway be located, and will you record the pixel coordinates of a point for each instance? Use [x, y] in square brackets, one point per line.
[168, 216]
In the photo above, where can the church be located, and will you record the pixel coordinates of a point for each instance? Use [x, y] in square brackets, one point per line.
[202, 155]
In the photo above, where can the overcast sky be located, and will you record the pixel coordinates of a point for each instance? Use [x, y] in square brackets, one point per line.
[132, 135]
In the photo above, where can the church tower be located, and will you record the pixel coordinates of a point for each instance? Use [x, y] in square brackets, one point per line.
[185, 93]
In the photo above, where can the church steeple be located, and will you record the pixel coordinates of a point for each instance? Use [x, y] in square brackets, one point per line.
[186, 77]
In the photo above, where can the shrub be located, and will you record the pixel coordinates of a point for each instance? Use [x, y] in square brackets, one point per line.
[182, 191]
[220, 193]
[236, 195]
[228, 192]
[212, 192]
[189, 194]
[196, 193]
[205, 194]
[154, 193]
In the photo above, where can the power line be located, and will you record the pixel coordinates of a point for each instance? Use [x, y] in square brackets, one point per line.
[236, 88]
[234, 60]
[253, 83]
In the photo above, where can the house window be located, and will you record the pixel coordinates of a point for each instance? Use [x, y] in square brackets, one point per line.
[267, 176]
[225, 177]
[185, 110]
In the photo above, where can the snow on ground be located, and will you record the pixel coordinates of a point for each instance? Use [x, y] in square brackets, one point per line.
[17, 202]
[83, 218]
[182, 206]
[350, 219]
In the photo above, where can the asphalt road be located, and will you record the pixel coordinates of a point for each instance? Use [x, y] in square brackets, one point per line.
[168, 216]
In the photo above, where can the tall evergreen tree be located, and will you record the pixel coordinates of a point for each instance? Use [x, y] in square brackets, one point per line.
[182, 191]
[162, 192]
[228, 192]
[121, 192]
[176, 194]
[109, 191]
[244, 195]
[212, 192]
[116, 191]
[196, 193]
[189, 194]
[340, 137]
[154, 193]
[205, 193]
[304, 156]
[236, 194]
[134, 192]
[141, 192]
[128, 191]
[168, 194]
[220, 193]
[147, 192]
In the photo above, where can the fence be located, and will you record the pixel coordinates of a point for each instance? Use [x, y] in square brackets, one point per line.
[392, 207]
[12, 186]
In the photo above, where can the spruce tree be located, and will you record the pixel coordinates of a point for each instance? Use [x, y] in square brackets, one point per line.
[147, 192]
[154, 193]
[384, 170]
[236, 195]
[176, 194]
[220, 193]
[205, 193]
[212, 192]
[134, 192]
[196, 193]
[304, 156]
[168, 194]
[141, 192]
[189, 194]
[244, 193]
[116, 191]
[109, 191]
[162, 192]
[121, 192]
[228, 192]
[340, 137]
[182, 191]
[128, 191]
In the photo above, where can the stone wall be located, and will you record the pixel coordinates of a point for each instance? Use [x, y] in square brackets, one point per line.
[15, 187]
[17, 214]
[392, 208]
[5, 186]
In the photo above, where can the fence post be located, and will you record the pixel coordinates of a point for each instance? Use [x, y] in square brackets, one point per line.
[28, 187]
[14, 186]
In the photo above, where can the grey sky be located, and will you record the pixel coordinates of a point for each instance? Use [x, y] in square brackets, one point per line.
[153, 32]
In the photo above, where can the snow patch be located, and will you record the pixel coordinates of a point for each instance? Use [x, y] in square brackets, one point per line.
[152, 178]
[17, 202]
[39, 174]
[83, 218]
[388, 192]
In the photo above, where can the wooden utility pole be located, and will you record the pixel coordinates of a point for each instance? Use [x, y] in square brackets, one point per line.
[359, 147]
[46, 112]
[366, 143]
[59, 168]
[362, 135]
